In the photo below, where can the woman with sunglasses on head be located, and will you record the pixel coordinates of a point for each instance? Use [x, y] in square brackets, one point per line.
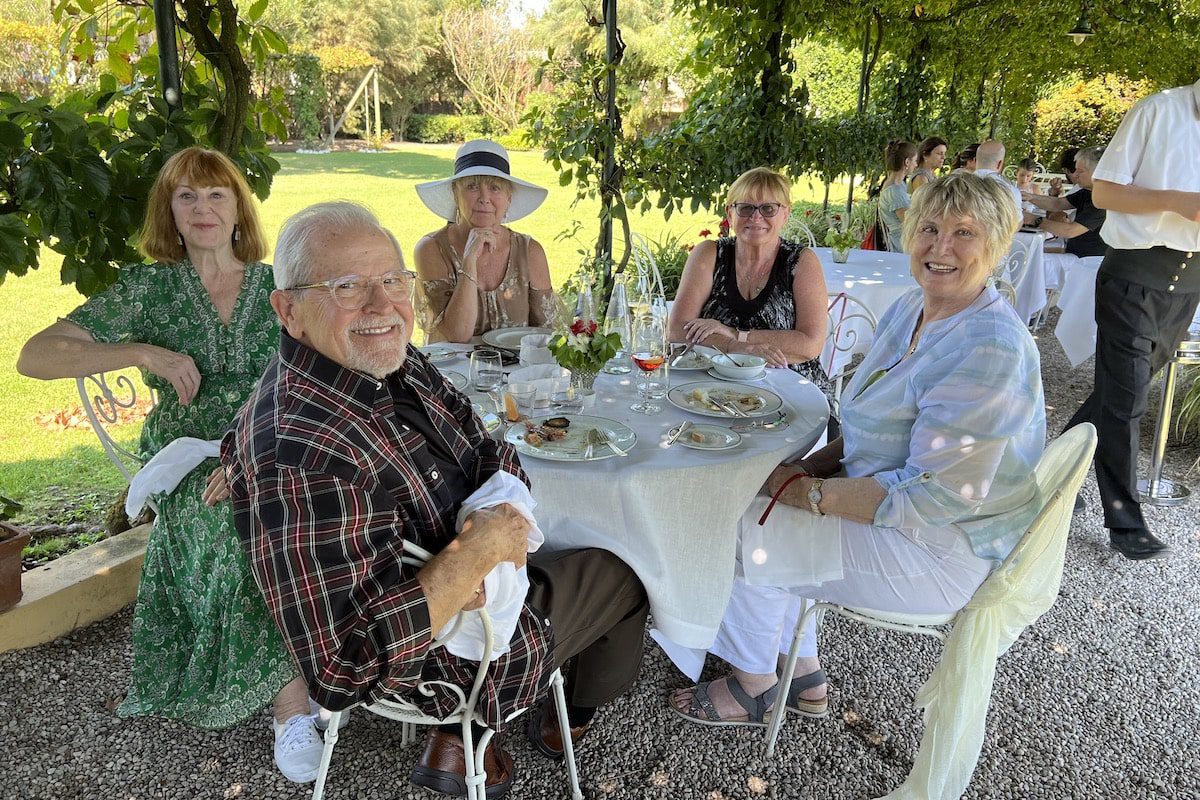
[753, 292]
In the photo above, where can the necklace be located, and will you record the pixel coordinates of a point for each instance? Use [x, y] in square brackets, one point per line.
[758, 278]
[916, 337]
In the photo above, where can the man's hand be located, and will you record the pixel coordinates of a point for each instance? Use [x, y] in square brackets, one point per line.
[217, 488]
[478, 601]
[502, 530]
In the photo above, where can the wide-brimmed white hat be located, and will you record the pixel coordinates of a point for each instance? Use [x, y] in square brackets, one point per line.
[481, 157]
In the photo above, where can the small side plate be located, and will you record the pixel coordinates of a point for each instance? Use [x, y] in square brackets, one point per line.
[439, 354]
[710, 437]
[455, 379]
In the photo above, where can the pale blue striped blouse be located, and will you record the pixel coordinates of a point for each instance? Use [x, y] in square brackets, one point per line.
[953, 431]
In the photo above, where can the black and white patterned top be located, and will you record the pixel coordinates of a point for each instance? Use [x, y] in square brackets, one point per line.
[772, 309]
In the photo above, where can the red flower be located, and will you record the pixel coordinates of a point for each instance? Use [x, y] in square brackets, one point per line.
[688, 247]
[808, 213]
[706, 232]
[724, 226]
[580, 327]
[837, 217]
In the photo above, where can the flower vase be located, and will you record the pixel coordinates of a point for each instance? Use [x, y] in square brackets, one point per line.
[841, 254]
[583, 379]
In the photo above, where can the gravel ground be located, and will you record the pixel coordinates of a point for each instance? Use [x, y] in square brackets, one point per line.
[1098, 700]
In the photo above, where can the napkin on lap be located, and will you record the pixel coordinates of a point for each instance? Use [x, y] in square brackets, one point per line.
[168, 467]
[505, 586]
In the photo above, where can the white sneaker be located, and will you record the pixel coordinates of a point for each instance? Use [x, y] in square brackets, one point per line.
[298, 748]
[322, 715]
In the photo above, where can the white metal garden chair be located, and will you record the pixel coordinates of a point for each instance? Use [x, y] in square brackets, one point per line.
[465, 712]
[103, 403]
[851, 331]
[957, 695]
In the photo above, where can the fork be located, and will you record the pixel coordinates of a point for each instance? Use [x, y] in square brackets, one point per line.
[603, 437]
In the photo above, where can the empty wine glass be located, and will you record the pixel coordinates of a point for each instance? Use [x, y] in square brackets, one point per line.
[649, 352]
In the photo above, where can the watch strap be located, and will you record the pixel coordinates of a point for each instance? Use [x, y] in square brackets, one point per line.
[814, 497]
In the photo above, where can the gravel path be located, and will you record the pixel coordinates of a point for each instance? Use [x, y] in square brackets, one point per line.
[1098, 700]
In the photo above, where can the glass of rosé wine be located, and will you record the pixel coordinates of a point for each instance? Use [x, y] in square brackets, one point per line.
[649, 354]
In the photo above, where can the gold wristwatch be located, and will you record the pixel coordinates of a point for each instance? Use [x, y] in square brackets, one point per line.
[814, 497]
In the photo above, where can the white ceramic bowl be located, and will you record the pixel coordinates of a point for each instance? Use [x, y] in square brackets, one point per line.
[739, 366]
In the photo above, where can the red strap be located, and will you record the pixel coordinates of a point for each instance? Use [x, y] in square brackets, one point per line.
[775, 497]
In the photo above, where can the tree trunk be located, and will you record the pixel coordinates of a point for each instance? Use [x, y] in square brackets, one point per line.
[226, 57]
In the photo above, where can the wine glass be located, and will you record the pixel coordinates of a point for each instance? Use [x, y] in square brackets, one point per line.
[649, 352]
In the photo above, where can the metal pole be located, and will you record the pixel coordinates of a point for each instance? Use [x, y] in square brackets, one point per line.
[168, 53]
[1157, 490]
[604, 247]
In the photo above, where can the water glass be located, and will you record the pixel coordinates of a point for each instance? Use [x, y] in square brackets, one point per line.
[487, 372]
[522, 395]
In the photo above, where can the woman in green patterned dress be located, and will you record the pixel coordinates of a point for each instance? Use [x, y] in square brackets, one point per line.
[198, 324]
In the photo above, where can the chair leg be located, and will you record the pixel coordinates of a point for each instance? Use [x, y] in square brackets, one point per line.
[789, 666]
[560, 703]
[476, 772]
[331, 738]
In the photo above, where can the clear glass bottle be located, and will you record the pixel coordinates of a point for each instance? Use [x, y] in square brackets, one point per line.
[617, 320]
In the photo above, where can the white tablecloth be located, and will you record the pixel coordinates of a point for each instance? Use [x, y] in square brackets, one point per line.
[671, 514]
[1076, 329]
[873, 277]
[1031, 289]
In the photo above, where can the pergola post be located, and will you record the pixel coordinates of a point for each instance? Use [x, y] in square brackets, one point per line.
[604, 247]
[168, 53]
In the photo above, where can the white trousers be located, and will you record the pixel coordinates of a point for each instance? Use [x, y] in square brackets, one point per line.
[920, 572]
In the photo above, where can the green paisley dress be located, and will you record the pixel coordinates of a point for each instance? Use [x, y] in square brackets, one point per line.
[205, 649]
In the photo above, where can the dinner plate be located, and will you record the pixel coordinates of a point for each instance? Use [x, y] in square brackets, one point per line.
[455, 379]
[510, 338]
[754, 401]
[573, 447]
[698, 358]
[713, 372]
[709, 437]
[439, 354]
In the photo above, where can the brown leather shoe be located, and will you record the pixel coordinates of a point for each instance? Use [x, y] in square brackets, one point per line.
[443, 769]
[545, 734]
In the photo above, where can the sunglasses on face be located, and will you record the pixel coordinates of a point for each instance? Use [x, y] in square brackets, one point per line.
[767, 210]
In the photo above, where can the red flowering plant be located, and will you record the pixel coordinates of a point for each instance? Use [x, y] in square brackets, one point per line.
[582, 348]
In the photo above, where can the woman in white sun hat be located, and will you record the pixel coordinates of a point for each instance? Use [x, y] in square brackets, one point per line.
[476, 274]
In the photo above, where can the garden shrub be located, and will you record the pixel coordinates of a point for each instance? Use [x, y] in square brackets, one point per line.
[447, 128]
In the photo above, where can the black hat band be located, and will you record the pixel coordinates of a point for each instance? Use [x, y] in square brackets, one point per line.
[480, 158]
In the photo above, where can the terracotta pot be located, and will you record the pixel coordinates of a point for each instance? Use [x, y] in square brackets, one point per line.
[12, 542]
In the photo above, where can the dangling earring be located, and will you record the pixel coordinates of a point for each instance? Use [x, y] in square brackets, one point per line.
[237, 233]
[179, 236]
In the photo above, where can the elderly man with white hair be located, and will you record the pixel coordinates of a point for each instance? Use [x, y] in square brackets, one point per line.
[353, 445]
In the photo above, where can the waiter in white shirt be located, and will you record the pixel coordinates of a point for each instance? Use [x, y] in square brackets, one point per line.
[1146, 291]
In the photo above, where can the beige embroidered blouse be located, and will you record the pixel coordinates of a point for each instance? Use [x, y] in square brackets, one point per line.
[513, 303]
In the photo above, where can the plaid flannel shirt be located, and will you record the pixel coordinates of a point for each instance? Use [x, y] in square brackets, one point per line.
[327, 483]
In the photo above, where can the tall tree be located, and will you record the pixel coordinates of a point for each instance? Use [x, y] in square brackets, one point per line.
[491, 58]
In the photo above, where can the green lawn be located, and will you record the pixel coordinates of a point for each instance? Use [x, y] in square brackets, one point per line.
[46, 470]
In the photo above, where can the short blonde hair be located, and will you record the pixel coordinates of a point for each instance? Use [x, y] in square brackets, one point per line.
[761, 181]
[457, 187]
[198, 166]
[964, 194]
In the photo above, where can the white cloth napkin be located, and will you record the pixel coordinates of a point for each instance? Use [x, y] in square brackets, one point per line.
[546, 379]
[168, 467]
[506, 586]
[535, 349]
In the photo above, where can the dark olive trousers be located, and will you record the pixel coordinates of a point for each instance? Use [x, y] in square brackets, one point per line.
[596, 608]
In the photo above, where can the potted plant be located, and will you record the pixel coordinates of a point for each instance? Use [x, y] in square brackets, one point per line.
[841, 238]
[12, 542]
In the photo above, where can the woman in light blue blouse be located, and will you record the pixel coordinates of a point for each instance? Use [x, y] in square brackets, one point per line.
[900, 158]
[931, 484]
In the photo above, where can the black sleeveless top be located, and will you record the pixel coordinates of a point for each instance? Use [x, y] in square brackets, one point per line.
[772, 309]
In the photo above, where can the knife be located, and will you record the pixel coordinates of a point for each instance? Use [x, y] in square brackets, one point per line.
[674, 437]
[732, 409]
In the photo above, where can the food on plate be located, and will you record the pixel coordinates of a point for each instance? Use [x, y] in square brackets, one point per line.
[692, 360]
[558, 422]
[698, 437]
[712, 399]
[510, 408]
[537, 435]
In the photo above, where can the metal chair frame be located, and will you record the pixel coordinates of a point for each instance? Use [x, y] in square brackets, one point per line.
[843, 310]
[466, 710]
[103, 408]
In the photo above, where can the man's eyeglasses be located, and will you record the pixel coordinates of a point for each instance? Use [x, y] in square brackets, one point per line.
[746, 210]
[352, 292]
